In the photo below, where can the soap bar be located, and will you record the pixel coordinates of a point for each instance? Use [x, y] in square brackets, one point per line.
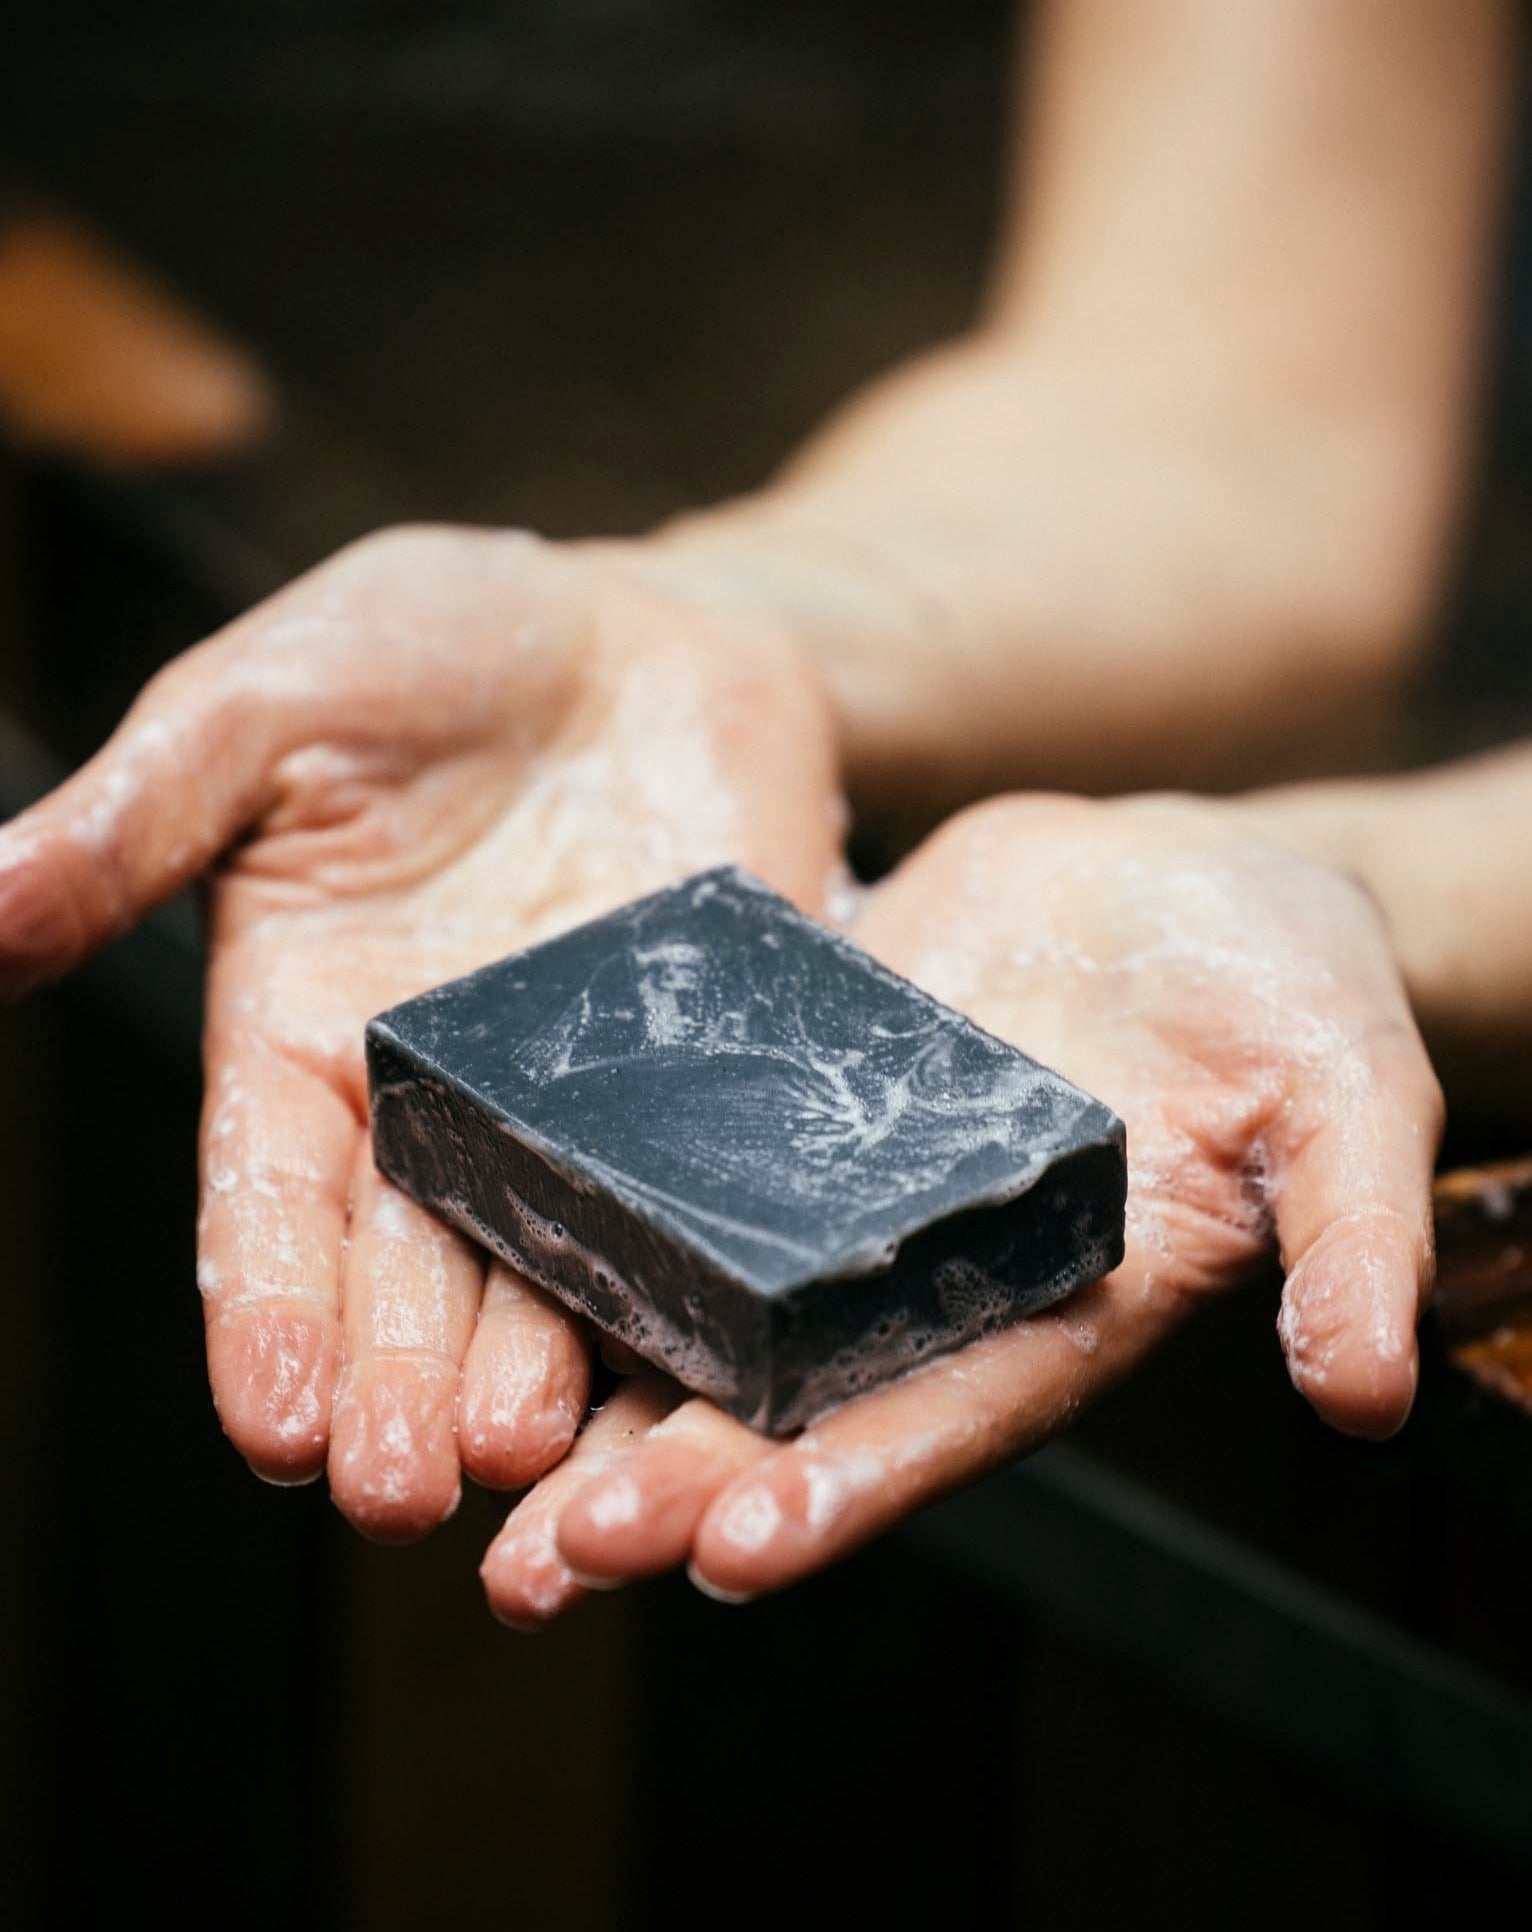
[737, 1143]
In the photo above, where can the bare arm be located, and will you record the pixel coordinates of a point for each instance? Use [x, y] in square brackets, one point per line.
[1448, 856]
[1189, 488]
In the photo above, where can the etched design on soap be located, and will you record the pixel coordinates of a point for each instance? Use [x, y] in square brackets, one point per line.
[738, 1143]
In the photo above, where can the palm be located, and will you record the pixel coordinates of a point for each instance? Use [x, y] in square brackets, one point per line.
[1241, 1011]
[1199, 983]
[440, 747]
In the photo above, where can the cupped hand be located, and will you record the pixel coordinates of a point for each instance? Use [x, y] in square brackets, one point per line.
[1240, 1008]
[438, 747]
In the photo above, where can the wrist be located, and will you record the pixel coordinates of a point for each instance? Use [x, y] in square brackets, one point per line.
[869, 626]
[1437, 852]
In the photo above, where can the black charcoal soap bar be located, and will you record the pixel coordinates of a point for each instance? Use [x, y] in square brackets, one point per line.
[737, 1143]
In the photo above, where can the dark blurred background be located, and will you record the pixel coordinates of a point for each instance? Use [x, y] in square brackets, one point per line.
[577, 264]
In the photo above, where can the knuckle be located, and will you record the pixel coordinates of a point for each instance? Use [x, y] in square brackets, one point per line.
[1432, 1103]
[999, 821]
[1398, 1058]
[392, 540]
[419, 544]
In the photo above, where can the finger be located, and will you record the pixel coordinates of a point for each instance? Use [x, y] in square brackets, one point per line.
[410, 1291]
[619, 1358]
[278, 1146]
[525, 1384]
[1353, 1212]
[185, 772]
[887, 1453]
[639, 1516]
[526, 1580]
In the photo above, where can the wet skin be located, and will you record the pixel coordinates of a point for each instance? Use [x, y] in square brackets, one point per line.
[445, 744]
[1239, 1007]
[438, 747]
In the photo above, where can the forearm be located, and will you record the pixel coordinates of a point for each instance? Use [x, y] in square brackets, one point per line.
[1448, 856]
[1186, 156]
[1250, 236]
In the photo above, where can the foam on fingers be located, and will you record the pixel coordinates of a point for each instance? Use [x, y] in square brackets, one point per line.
[872, 1462]
[526, 1382]
[272, 1365]
[639, 1516]
[1353, 1211]
[526, 1578]
[1347, 1324]
[394, 1470]
[181, 777]
[277, 1149]
[410, 1295]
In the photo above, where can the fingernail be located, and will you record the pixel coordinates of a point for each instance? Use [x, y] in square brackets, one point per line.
[521, 1628]
[716, 1591]
[287, 1482]
[588, 1582]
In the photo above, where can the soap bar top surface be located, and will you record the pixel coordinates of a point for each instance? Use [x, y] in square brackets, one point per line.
[748, 1082]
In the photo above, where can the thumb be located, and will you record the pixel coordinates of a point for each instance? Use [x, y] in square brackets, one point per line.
[1354, 1217]
[186, 771]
